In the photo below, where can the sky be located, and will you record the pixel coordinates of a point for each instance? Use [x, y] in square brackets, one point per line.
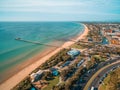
[60, 10]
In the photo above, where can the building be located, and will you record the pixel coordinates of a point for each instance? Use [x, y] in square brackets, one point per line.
[105, 41]
[90, 39]
[65, 64]
[80, 63]
[115, 41]
[73, 52]
[54, 71]
[36, 76]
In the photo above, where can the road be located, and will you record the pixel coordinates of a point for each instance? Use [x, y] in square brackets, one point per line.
[81, 83]
[97, 79]
[94, 80]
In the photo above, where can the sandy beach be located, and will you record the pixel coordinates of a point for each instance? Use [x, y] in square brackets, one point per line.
[14, 80]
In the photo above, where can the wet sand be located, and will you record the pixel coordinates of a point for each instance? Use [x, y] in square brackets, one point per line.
[36, 62]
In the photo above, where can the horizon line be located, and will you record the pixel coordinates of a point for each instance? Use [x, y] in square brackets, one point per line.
[60, 21]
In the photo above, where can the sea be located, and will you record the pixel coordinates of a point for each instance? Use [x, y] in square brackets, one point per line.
[14, 52]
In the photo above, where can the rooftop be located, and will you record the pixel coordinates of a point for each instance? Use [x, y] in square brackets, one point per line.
[73, 52]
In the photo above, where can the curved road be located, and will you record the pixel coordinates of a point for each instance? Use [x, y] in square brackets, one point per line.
[98, 75]
[87, 76]
[96, 81]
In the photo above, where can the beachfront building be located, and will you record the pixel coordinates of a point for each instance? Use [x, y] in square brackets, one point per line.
[54, 71]
[73, 52]
[36, 76]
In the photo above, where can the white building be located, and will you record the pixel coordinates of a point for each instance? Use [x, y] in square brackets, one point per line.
[36, 76]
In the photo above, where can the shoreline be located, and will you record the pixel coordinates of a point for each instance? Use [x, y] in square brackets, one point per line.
[28, 69]
[14, 70]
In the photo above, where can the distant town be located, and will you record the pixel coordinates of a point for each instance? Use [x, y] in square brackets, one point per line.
[88, 64]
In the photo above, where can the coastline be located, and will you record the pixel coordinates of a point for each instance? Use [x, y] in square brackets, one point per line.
[24, 72]
[25, 64]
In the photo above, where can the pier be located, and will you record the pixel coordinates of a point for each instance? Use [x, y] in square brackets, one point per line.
[34, 42]
[39, 43]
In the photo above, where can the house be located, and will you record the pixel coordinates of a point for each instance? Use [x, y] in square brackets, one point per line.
[65, 64]
[90, 39]
[79, 63]
[105, 41]
[36, 76]
[107, 31]
[73, 52]
[54, 71]
[115, 41]
[32, 88]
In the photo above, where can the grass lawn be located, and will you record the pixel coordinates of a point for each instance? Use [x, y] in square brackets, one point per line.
[103, 86]
[107, 80]
[52, 83]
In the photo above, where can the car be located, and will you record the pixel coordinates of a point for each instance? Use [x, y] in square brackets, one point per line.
[100, 82]
[95, 88]
[92, 88]
[105, 75]
[88, 71]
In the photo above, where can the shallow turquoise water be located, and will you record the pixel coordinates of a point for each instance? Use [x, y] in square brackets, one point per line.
[13, 52]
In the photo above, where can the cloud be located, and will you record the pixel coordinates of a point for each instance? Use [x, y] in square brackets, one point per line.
[60, 8]
[29, 3]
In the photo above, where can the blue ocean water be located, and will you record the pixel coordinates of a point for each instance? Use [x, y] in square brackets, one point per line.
[13, 52]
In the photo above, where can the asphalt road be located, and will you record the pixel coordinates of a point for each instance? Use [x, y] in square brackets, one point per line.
[81, 83]
[102, 75]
